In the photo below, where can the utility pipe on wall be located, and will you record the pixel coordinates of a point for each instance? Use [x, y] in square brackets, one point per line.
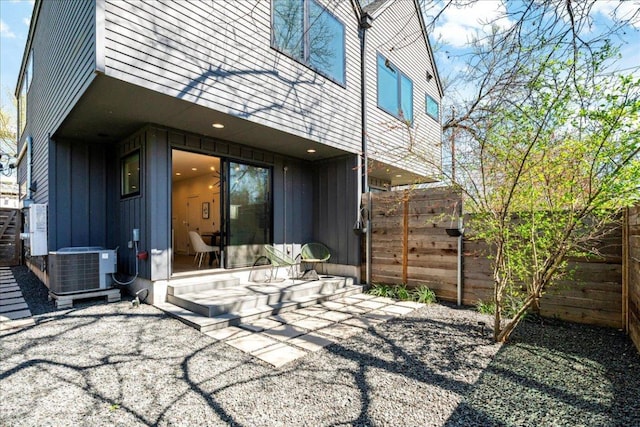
[27, 149]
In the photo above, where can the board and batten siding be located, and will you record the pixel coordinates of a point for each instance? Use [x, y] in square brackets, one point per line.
[218, 55]
[63, 47]
[396, 34]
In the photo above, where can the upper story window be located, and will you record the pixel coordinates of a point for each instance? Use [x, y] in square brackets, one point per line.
[395, 91]
[309, 33]
[433, 108]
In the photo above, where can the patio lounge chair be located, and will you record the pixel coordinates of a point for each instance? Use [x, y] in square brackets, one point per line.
[278, 259]
[313, 253]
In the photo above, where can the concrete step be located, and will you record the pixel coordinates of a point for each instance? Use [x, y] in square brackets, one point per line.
[240, 298]
[250, 311]
[200, 284]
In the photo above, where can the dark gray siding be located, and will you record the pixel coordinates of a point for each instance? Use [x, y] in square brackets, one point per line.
[63, 64]
[320, 198]
[83, 194]
[335, 204]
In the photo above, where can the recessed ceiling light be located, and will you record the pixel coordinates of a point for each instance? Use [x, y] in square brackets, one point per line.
[210, 187]
[398, 176]
[218, 125]
[178, 173]
[212, 168]
[194, 169]
[311, 150]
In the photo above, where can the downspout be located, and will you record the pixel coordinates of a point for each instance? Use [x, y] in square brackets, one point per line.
[26, 148]
[365, 23]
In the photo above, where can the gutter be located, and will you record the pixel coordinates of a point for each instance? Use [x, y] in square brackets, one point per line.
[27, 149]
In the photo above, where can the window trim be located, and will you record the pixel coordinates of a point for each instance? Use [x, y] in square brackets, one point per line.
[304, 60]
[399, 77]
[123, 161]
[426, 107]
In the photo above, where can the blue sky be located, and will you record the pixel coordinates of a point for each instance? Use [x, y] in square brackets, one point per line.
[14, 28]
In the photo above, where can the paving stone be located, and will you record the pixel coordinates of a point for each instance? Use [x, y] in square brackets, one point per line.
[13, 307]
[8, 301]
[311, 311]
[279, 355]
[349, 300]
[227, 333]
[4, 289]
[13, 315]
[411, 304]
[265, 323]
[362, 296]
[287, 317]
[340, 330]
[384, 300]
[352, 309]
[361, 322]
[312, 323]
[311, 341]
[251, 328]
[396, 309]
[381, 316]
[373, 305]
[284, 332]
[332, 305]
[335, 316]
[251, 342]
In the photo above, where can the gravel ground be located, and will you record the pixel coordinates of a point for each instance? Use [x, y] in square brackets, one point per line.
[109, 364]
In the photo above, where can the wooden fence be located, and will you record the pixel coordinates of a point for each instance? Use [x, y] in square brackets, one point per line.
[10, 244]
[410, 245]
[632, 274]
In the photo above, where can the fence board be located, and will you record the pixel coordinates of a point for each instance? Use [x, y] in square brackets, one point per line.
[632, 275]
[590, 293]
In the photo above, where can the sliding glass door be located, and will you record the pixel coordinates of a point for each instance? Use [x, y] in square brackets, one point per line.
[248, 207]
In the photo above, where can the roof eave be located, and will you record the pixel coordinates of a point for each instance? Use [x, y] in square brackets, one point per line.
[27, 46]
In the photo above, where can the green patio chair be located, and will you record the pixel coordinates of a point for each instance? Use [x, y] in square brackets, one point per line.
[278, 259]
[313, 253]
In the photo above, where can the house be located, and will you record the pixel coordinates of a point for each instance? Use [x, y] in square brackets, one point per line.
[244, 121]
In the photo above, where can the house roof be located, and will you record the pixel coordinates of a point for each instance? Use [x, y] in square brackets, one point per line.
[375, 8]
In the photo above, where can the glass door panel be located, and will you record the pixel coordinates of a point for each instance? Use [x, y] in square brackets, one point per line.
[248, 213]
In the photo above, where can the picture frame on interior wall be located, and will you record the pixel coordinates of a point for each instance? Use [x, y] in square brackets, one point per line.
[205, 210]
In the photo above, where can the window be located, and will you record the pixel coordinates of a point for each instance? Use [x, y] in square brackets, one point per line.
[309, 33]
[433, 108]
[130, 175]
[395, 91]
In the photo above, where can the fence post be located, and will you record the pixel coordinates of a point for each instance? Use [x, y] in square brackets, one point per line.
[405, 237]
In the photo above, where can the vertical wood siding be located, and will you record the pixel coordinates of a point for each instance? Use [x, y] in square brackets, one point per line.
[63, 66]
[217, 54]
[336, 210]
[396, 35]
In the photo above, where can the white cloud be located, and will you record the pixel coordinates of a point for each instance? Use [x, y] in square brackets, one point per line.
[461, 24]
[26, 21]
[621, 10]
[5, 31]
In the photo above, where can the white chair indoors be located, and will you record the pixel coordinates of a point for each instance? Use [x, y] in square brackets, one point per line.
[201, 248]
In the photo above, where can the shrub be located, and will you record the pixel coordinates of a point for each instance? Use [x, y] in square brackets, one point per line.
[402, 293]
[486, 307]
[381, 290]
[424, 295]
